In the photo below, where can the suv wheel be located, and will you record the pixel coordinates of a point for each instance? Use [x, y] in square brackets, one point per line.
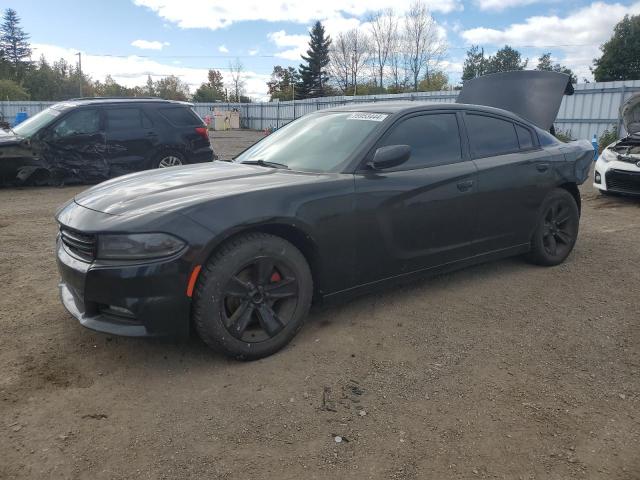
[169, 159]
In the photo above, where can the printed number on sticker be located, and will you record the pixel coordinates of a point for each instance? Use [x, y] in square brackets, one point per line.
[373, 117]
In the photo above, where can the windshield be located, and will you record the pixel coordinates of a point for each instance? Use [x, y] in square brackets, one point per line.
[316, 143]
[35, 123]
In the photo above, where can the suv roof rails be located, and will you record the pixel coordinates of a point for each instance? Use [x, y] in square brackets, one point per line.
[113, 98]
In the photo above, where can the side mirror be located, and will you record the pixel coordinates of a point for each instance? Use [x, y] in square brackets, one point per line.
[390, 156]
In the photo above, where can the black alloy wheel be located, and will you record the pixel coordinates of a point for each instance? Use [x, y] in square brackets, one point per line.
[259, 300]
[557, 230]
[252, 296]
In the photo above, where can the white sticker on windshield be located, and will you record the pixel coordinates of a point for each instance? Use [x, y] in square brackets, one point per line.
[372, 117]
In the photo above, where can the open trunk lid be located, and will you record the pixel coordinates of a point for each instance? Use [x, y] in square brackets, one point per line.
[630, 115]
[533, 95]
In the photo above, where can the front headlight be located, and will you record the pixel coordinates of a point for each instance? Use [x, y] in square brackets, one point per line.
[137, 246]
[608, 155]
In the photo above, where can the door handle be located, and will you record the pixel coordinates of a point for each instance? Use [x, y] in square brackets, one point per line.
[466, 185]
[542, 167]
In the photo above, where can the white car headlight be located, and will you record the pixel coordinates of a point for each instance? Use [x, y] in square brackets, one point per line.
[608, 155]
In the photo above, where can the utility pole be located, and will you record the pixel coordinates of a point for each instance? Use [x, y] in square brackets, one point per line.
[293, 97]
[80, 70]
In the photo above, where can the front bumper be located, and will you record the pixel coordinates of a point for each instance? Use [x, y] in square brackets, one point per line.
[146, 299]
[617, 176]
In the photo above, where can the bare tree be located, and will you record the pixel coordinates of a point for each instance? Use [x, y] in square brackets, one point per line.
[236, 69]
[340, 62]
[384, 41]
[359, 47]
[423, 46]
[348, 58]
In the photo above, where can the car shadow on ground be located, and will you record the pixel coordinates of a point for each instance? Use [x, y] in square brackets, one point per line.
[175, 354]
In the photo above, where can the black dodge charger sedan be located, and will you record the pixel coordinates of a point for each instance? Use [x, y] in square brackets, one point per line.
[335, 203]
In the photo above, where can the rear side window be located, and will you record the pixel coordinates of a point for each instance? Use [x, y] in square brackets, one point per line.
[180, 116]
[524, 137]
[434, 140]
[490, 136]
[126, 119]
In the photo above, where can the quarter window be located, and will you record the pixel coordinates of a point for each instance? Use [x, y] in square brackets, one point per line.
[490, 136]
[434, 140]
[524, 137]
[181, 116]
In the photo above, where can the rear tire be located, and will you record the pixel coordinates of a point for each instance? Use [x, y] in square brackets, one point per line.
[557, 229]
[169, 158]
[252, 297]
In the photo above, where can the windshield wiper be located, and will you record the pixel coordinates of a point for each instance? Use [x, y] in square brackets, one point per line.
[263, 163]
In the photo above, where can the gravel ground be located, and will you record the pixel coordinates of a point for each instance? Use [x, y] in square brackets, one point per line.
[505, 370]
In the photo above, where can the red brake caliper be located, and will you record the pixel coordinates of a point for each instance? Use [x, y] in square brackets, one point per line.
[275, 277]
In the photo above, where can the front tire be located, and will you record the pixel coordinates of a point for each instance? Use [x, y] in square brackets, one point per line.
[557, 229]
[252, 296]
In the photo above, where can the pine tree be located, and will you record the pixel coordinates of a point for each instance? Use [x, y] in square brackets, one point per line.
[545, 64]
[150, 88]
[475, 65]
[14, 43]
[313, 75]
[506, 59]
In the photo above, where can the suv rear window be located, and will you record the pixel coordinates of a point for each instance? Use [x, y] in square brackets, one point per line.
[181, 116]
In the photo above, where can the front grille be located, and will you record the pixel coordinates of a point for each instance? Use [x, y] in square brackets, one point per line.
[81, 245]
[625, 182]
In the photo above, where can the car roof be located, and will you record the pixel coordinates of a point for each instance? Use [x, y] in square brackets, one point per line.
[407, 106]
[79, 102]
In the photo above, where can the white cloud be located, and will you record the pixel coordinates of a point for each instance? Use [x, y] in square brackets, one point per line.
[133, 70]
[294, 45]
[214, 14]
[149, 44]
[499, 5]
[223, 49]
[254, 51]
[578, 35]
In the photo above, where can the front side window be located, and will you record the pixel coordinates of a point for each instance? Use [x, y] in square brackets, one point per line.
[317, 142]
[490, 136]
[80, 122]
[434, 140]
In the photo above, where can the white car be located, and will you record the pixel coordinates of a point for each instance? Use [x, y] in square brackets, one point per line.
[618, 166]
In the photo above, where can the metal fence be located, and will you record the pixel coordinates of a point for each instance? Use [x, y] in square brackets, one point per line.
[592, 109]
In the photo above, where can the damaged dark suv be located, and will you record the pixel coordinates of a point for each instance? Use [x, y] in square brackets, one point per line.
[91, 140]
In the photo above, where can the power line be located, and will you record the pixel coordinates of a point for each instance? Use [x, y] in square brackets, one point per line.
[231, 57]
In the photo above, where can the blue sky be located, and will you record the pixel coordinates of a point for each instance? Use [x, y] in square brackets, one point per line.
[132, 38]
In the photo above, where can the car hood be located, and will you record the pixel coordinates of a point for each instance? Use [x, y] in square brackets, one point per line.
[176, 188]
[630, 115]
[9, 138]
[533, 95]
